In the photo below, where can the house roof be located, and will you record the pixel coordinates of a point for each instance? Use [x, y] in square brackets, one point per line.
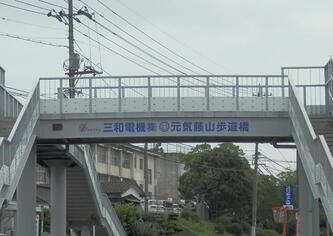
[119, 185]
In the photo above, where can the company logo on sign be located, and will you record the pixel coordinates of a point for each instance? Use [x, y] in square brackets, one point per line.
[83, 128]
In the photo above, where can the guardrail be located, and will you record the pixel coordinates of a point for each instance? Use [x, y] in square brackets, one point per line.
[149, 93]
[109, 216]
[314, 152]
[15, 146]
[178, 93]
[9, 106]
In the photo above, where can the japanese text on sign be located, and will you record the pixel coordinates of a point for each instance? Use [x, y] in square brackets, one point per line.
[176, 126]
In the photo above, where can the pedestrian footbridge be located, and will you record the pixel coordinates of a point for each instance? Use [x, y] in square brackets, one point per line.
[57, 120]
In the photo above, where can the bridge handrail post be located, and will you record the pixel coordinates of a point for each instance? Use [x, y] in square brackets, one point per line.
[61, 97]
[90, 95]
[266, 91]
[150, 92]
[237, 93]
[178, 94]
[119, 94]
[304, 97]
[282, 81]
[207, 93]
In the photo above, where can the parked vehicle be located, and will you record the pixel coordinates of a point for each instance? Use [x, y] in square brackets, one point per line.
[152, 208]
[176, 209]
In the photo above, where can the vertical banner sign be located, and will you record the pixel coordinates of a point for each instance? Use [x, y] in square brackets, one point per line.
[288, 196]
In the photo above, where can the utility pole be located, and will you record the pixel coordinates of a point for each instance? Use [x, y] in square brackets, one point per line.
[145, 173]
[71, 71]
[254, 193]
[74, 58]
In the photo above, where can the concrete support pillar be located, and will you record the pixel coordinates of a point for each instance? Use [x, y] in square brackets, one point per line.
[308, 205]
[58, 198]
[121, 160]
[26, 198]
[85, 231]
[132, 166]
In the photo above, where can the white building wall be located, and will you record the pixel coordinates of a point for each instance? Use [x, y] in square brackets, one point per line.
[135, 171]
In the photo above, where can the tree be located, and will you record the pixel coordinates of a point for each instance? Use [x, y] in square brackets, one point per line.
[219, 176]
[270, 193]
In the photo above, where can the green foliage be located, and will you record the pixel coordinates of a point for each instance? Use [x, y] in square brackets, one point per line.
[270, 194]
[168, 224]
[266, 232]
[220, 228]
[246, 227]
[235, 228]
[224, 220]
[128, 215]
[220, 176]
[140, 228]
[190, 215]
[201, 228]
[47, 220]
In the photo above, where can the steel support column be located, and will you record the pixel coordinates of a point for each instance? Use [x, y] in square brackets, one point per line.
[58, 198]
[26, 198]
[85, 231]
[308, 205]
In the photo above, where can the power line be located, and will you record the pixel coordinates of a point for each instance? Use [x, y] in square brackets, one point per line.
[51, 4]
[32, 40]
[125, 49]
[23, 9]
[119, 54]
[31, 5]
[141, 50]
[170, 36]
[25, 23]
[156, 41]
[145, 52]
[141, 42]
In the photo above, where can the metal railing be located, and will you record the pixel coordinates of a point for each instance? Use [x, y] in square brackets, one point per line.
[147, 91]
[9, 106]
[23, 133]
[183, 93]
[314, 152]
[312, 87]
[109, 216]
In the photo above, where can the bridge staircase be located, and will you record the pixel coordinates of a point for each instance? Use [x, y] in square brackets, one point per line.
[323, 125]
[86, 204]
[16, 146]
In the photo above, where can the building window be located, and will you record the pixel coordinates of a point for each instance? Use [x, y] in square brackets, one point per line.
[135, 162]
[115, 158]
[150, 195]
[101, 154]
[150, 176]
[141, 164]
[127, 160]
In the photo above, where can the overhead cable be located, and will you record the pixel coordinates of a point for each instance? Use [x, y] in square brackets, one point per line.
[23, 9]
[32, 40]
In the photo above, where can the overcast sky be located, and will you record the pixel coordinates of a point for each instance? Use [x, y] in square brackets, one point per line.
[224, 37]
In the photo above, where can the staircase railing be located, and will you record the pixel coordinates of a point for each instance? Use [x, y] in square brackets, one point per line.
[17, 146]
[109, 217]
[314, 153]
[9, 106]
